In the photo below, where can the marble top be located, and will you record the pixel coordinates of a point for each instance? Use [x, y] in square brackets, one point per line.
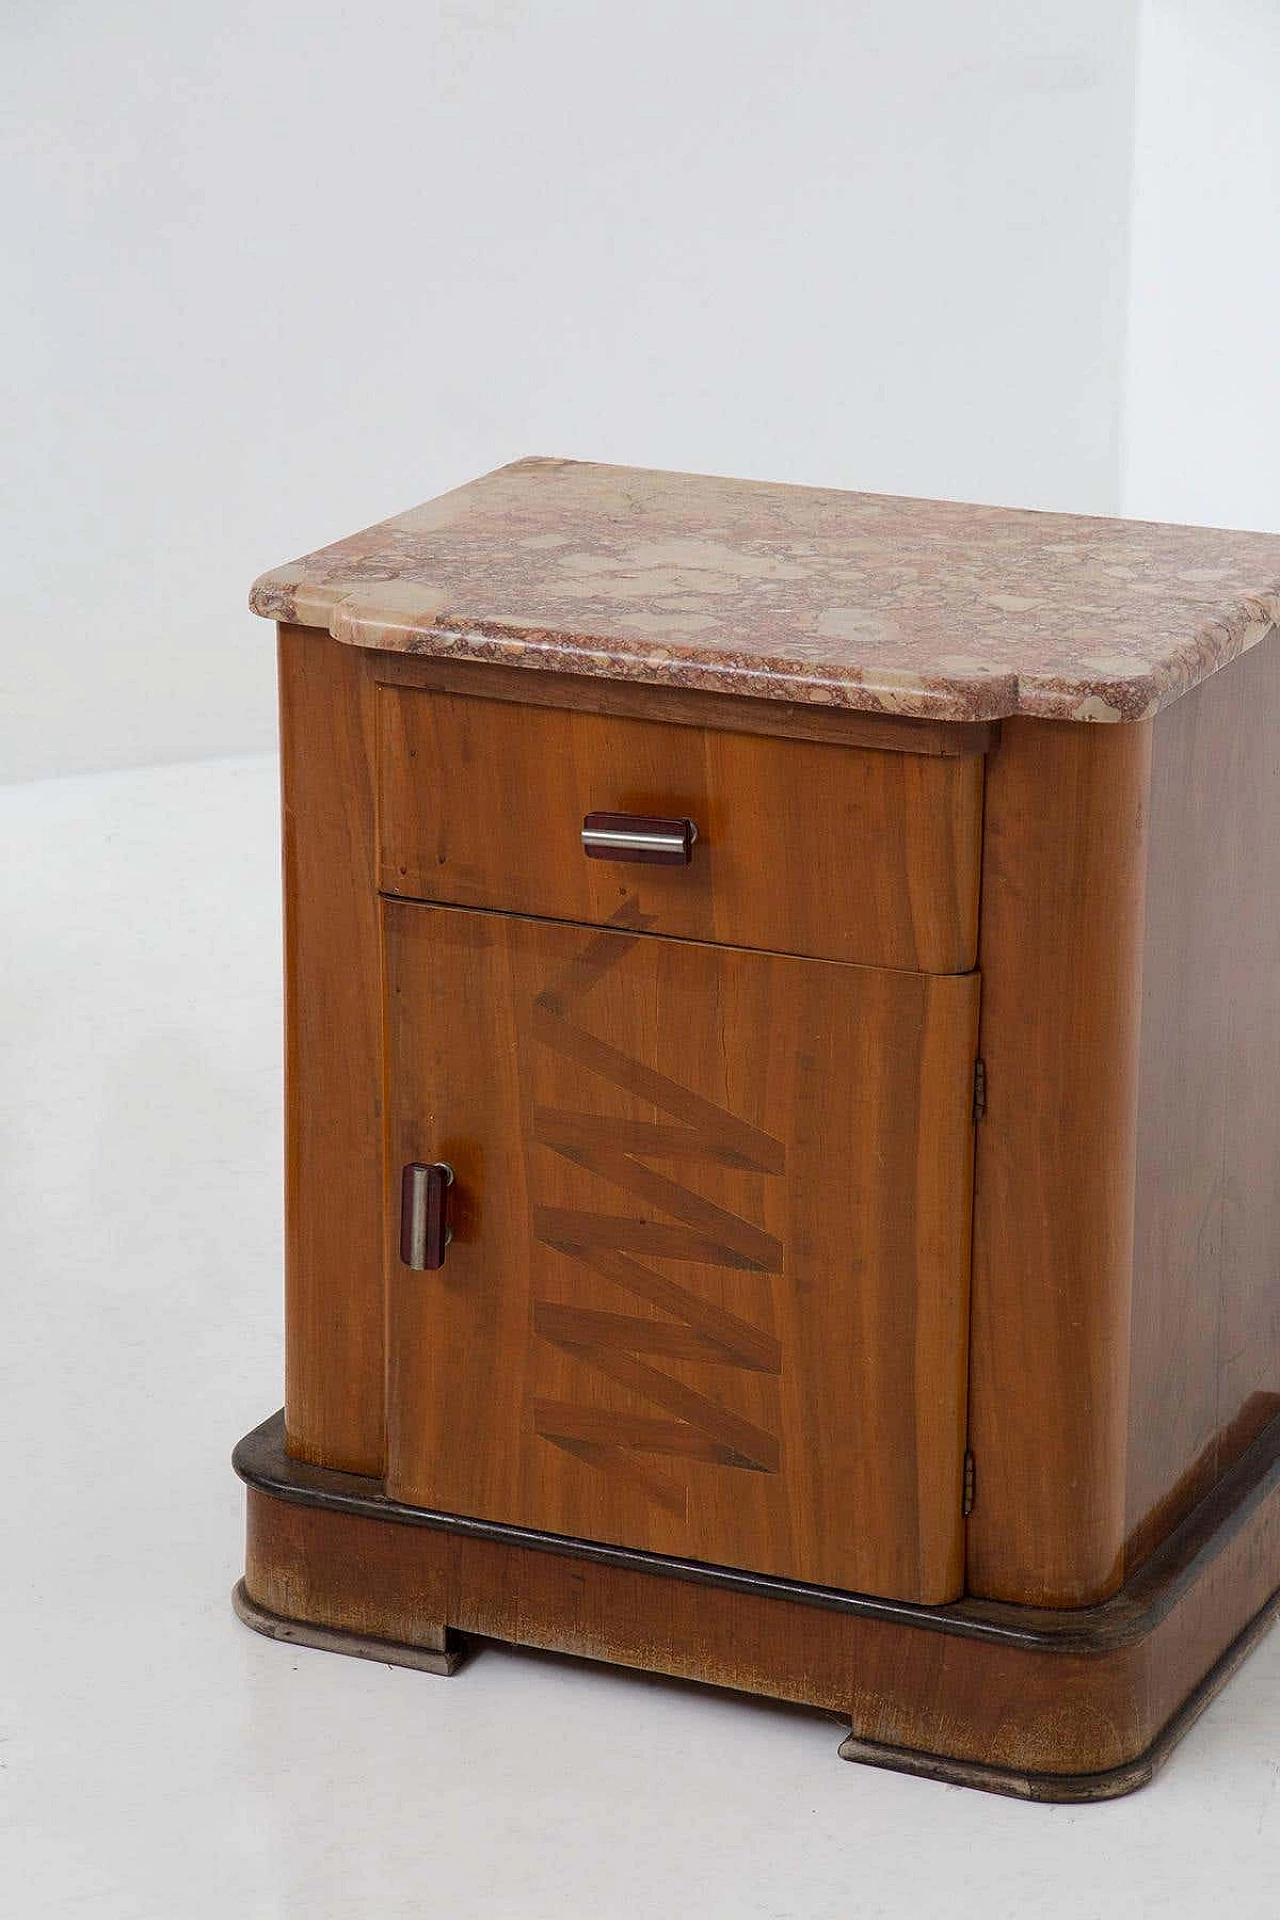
[857, 600]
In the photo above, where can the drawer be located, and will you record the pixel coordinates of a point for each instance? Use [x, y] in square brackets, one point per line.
[830, 851]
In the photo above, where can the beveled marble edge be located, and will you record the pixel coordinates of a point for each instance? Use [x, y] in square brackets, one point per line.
[423, 625]
[937, 609]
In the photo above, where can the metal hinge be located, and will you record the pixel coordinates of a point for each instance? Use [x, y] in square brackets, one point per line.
[966, 1504]
[979, 1088]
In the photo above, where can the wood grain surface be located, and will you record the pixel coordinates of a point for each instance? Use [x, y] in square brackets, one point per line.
[708, 1285]
[1205, 1372]
[333, 1058]
[1064, 864]
[686, 706]
[839, 852]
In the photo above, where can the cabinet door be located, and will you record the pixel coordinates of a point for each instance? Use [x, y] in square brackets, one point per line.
[707, 1288]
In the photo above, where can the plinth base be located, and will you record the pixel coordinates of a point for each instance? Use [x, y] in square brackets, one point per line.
[1037, 1703]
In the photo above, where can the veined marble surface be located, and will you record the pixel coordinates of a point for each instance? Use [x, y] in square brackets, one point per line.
[856, 600]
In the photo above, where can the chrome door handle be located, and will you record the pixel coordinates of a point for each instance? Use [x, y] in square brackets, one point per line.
[638, 836]
[424, 1226]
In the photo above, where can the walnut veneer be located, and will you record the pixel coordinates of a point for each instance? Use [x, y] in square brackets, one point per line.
[863, 1284]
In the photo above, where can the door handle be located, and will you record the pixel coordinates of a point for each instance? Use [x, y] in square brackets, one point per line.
[424, 1215]
[638, 836]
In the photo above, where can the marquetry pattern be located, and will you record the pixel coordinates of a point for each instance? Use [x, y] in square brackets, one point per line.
[620, 1249]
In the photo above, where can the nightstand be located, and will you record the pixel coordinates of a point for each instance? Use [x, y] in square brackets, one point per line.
[783, 1153]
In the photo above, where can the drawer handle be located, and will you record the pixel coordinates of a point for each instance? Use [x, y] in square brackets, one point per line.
[424, 1225]
[638, 836]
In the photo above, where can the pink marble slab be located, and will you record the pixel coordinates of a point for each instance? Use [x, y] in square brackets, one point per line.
[857, 600]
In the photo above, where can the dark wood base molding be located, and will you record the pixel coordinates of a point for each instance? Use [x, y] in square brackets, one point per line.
[1042, 1704]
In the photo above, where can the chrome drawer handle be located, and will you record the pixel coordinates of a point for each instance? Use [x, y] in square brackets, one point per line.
[424, 1226]
[638, 836]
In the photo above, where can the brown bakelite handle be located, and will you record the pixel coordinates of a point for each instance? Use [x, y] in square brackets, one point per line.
[424, 1222]
[644, 837]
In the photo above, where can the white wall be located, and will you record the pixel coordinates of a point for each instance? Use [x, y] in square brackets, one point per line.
[284, 269]
[1202, 437]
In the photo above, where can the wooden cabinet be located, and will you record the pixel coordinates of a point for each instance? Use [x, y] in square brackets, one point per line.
[708, 1283]
[836, 1258]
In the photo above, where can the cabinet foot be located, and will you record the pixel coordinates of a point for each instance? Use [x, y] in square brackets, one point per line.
[445, 1659]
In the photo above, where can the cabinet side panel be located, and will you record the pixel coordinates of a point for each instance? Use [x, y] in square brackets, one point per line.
[334, 1392]
[1064, 857]
[1206, 1351]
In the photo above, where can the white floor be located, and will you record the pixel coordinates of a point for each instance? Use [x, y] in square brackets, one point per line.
[158, 1761]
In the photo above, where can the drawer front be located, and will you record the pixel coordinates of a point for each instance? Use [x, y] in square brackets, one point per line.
[706, 1292]
[842, 853]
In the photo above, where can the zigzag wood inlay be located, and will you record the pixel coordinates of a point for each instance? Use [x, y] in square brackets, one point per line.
[726, 1335]
[611, 1147]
